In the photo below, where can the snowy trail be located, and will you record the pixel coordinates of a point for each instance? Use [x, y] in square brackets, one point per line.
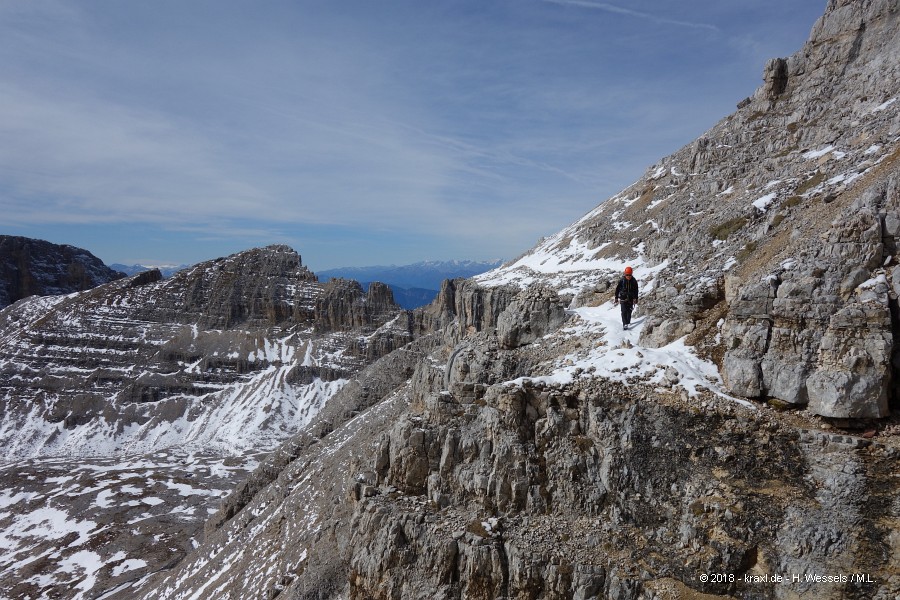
[615, 354]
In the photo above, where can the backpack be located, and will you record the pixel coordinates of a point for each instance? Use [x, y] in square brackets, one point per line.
[623, 293]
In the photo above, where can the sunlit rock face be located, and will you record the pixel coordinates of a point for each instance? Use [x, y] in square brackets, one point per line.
[771, 241]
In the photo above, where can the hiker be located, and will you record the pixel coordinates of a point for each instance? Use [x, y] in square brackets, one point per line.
[627, 296]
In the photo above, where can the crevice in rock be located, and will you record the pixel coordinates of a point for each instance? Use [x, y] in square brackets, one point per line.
[893, 391]
[855, 48]
[776, 77]
[500, 545]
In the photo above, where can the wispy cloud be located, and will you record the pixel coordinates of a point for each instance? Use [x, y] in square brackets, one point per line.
[356, 128]
[612, 8]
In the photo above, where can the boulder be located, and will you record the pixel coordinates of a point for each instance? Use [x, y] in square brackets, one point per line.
[853, 372]
[533, 314]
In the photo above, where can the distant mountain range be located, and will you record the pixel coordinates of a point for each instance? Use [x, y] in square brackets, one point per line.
[415, 284]
[166, 270]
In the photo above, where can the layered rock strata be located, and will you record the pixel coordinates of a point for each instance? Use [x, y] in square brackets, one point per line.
[145, 352]
[523, 446]
[191, 380]
[535, 451]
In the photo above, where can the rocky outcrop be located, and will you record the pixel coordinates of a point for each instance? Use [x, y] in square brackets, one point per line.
[204, 372]
[588, 492]
[30, 267]
[530, 316]
[258, 287]
[819, 330]
[523, 446]
[343, 305]
[478, 483]
[758, 241]
[775, 76]
[466, 306]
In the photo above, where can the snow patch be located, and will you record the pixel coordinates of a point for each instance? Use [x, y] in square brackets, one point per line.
[615, 355]
[128, 565]
[762, 204]
[817, 153]
[883, 105]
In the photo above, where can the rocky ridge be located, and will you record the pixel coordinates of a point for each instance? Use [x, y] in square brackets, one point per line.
[457, 468]
[190, 380]
[523, 446]
[774, 233]
[30, 267]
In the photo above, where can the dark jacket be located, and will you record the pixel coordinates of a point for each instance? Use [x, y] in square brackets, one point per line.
[627, 291]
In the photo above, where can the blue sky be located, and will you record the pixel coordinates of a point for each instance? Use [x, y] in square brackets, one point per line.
[358, 132]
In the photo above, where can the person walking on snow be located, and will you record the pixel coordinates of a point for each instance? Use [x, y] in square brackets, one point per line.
[627, 296]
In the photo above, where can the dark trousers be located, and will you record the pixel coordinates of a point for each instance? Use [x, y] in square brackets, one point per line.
[627, 307]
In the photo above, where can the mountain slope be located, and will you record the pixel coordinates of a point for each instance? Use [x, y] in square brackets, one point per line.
[538, 451]
[188, 381]
[780, 220]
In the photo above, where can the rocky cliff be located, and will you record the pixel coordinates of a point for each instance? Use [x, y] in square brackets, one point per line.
[735, 443]
[142, 400]
[30, 267]
[774, 234]
[468, 469]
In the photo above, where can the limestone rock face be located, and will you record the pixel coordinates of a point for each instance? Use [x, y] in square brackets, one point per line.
[174, 386]
[533, 314]
[431, 480]
[854, 350]
[819, 330]
[467, 306]
[343, 305]
[776, 77]
[262, 286]
[752, 241]
[31, 267]
[514, 498]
